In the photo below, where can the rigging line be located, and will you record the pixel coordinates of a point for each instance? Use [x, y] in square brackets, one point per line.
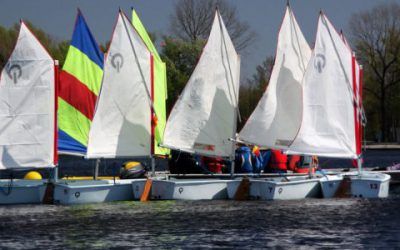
[297, 38]
[230, 70]
[354, 98]
[140, 68]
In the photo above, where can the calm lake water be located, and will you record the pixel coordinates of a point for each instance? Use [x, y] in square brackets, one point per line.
[306, 224]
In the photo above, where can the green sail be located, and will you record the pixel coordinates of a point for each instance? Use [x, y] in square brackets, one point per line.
[160, 86]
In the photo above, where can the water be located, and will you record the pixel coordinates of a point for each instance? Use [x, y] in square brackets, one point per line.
[307, 224]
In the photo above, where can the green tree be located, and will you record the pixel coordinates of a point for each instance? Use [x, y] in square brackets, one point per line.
[254, 88]
[8, 37]
[181, 58]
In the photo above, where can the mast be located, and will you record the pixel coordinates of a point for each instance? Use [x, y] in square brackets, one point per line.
[236, 114]
[153, 117]
[56, 86]
[356, 105]
[362, 114]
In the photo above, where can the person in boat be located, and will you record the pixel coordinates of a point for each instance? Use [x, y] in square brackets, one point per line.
[278, 162]
[301, 164]
[215, 165]
[184, 163]
[249, 160]
[258, 159]
[294, 162]
[243, 159]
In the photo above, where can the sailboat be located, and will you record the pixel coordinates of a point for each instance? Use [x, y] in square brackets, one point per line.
[338, 104]
[203, 120]
[28, 138]
[277, 117]
[80, 83]
[122, 126]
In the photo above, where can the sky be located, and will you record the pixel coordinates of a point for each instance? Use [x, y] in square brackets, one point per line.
[57, 18]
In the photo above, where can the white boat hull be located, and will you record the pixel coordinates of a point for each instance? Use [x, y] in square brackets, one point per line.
[93, 191]
[22, 191]
[366, 185]
[292, 188]
[188, 189]
[330, 184]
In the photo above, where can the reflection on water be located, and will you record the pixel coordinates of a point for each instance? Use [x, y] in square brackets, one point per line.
[335, 223]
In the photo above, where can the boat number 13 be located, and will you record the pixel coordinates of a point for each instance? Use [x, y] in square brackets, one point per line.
[373, 186]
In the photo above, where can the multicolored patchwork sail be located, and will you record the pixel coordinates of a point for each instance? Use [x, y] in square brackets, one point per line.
[160, 86]
[80, 82]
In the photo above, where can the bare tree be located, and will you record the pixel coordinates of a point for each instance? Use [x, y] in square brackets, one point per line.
[192, 21]
[376, 34]
[254, 88]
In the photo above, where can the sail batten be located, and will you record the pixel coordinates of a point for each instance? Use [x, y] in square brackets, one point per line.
[277, 118]
[27, 106]
[204, 117]
[121, 125]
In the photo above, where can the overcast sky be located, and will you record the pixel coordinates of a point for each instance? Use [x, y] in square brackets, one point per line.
[264, 16]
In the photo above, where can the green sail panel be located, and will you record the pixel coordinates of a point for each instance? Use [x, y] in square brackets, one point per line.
[160, 85]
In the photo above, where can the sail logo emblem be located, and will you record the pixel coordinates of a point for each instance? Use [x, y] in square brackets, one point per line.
[319, 62]
[14, 72]
[117, 61]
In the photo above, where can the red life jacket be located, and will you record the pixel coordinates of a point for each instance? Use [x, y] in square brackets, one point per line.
[278, 160]
[306, 168]
[214, 165]
[294, 162]
[303, 169]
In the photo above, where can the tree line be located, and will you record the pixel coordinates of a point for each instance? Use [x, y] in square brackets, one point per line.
[374, 34]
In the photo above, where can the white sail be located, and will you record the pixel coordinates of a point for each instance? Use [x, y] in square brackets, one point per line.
[327, 127]
[277, 118]
[27, 106]
[357, 65]
[121, 126]
[204, 118]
